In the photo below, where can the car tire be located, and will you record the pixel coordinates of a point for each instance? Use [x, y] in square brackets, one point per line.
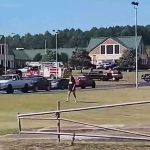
[10, 89]
[35, 89]
[48, 88]
[25, 89]
[62, 87]
[83, 86]
[93, 85]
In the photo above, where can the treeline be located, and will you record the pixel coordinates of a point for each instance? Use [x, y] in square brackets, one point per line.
[69, 38]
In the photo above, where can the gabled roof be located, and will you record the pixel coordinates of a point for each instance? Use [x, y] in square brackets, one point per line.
[33, 52]
[20, 55]
[94, 42]
[29, 54]
[126, 41]
[129, 41]
[10, 52]
[68, 51]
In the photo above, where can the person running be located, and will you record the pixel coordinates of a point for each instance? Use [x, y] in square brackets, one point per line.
[71, 88]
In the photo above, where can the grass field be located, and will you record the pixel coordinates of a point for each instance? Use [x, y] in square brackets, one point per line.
[139, 115]
[10, 105]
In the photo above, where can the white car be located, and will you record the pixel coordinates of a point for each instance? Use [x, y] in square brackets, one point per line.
[13, 81]
[25, 69]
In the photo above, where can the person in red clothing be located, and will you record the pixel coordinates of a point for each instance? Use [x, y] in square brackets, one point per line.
[71, 88]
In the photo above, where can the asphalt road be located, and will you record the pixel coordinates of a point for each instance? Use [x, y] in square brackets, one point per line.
[98, 87]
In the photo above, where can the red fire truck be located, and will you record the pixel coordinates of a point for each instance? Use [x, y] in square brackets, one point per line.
[46, 69]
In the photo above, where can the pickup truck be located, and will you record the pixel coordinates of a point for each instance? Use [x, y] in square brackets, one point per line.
[114, 75]
[96, 75]
[11, 82]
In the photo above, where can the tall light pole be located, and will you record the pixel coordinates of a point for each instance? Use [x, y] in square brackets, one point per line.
[136, 46]
[56, 33]
[5, 55]
[13, 64]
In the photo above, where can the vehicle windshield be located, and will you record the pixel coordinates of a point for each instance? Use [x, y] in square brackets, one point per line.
[5, 77]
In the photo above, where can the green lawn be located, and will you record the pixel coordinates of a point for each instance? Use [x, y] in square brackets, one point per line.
[10, 105]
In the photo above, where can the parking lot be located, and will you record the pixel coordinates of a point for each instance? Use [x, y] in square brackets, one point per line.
[98, 87]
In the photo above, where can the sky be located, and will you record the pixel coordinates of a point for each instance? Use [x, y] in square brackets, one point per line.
[37, 16]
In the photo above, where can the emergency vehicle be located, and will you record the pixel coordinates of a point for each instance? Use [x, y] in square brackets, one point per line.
[45, 69]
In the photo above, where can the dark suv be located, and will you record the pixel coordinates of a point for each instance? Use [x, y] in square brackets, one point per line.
[38, 83]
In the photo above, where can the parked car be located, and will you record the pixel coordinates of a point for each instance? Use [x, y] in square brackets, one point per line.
[146, 77]
[11, 82]
[107, 65]
[59, 83]
[38, 83]
[84, 81]
[100, 66]
[95, 74]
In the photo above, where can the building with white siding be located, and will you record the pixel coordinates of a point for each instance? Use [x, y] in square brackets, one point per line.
[6, 54]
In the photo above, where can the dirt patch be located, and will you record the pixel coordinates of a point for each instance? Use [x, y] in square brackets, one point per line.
[8, 144]
[49, 142]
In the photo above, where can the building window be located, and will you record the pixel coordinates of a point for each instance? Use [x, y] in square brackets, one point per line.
[2, 63]
[8, 63]
[102, 49]
[116, 49]
[3, 49]
[109, 49]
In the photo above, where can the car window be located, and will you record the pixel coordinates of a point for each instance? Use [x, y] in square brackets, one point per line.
[38, 79]
[45, 80]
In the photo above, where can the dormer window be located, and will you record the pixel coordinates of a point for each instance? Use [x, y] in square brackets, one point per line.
[102, 49]
[116, 49]
[109, 49]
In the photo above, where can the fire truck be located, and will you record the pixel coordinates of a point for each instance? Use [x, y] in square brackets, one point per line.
[46, 69]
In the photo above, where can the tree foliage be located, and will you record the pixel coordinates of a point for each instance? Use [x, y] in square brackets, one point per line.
[49, 56]
[63, 57]
[80, 58]
[127, 59]
[37, 57]
[74, 38]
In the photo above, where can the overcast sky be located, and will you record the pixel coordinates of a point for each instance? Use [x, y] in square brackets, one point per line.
[38, 16]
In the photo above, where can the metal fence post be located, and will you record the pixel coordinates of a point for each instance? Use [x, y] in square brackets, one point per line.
[58, 121]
